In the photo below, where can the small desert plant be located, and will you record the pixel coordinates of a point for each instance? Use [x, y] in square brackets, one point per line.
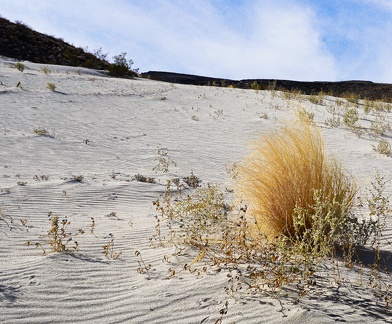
[41, 177]
[142, 178]
[282, 175]
[292, 95]
[305, 115]
[352, 97]
[77, 178]
[46, 70]
[255, 86]
[42, 132]
[19, 66]
[379, 126]
[143, 267]
[108, 249]
[367, 106]
[383, 147]
[191, 219]
[164, 161]
[51, 86]
[317, 99]
[60, 239]
[351, 117]
[192, 181]
[334, 110]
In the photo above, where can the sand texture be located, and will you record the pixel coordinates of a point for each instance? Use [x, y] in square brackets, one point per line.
[108, 130]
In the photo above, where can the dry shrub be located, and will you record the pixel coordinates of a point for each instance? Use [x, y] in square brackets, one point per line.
[286, 173]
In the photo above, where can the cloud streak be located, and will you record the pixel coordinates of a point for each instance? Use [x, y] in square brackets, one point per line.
[296, 39]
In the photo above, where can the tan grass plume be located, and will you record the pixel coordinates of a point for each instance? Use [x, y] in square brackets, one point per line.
[284, 171]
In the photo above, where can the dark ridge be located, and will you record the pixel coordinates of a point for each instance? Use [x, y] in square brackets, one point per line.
[359, 89]
[21, 42]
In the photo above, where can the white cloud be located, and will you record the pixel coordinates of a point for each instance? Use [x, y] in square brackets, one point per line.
[385, 4]
[267, 39]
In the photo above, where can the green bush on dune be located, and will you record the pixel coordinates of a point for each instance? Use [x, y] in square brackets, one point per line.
[121, 67]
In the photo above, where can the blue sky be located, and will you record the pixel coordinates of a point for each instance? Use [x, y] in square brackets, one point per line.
[324, 40]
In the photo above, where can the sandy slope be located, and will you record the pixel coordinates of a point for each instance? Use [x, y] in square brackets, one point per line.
[108, 130]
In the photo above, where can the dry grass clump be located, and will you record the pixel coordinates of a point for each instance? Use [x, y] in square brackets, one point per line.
[288, 172]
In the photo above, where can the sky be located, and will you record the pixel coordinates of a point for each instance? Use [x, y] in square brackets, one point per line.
[305, 40]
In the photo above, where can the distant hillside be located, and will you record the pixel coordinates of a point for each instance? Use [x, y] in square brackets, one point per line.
[21, 42]
[360, 89]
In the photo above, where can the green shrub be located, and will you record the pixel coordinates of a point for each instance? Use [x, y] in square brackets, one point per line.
[121, 67]
[305, 115]
[317, 99]
[383, 147]
[351, 117]
[380, 125]
[255, 86]
[19, 66]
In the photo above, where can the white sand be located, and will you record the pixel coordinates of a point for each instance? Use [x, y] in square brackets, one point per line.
[125, 122]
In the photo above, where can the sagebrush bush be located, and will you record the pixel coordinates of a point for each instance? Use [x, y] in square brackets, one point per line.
[283, 175]
[121, 67]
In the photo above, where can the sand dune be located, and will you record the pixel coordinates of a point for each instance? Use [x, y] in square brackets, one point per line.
[108, 130]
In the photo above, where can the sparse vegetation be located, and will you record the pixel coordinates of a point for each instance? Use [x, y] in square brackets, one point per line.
[164, 162]
[41, 177]
[46, 70]
[334, 110]
[317, 99]
[60, 239]
[379, 126]
[255, 86]
[40, 131]
[51, 86]
[305, 115]
[142, 178]
[19, 66]
[192, 181]
[108, 249]
[351, 117]
[297, 215]
[383, 147]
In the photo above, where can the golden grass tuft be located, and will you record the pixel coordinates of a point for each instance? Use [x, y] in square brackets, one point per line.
[288, 171]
